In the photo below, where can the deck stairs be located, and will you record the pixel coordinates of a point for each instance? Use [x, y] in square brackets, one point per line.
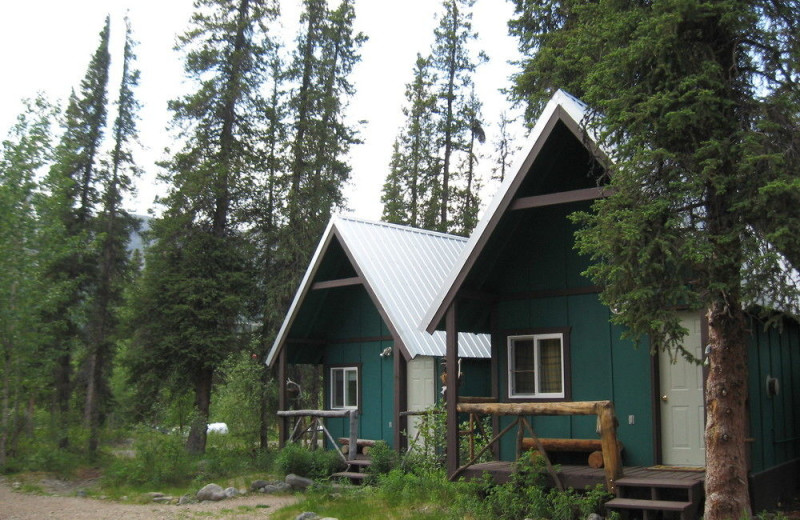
[356, 468]
[653, 498]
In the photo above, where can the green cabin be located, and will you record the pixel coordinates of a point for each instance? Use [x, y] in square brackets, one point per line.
[357, 313]
[519, 280]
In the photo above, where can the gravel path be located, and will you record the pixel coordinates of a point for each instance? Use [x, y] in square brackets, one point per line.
[24, 506]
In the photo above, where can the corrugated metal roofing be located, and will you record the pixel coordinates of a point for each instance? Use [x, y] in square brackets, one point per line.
[561, 107]
[403, 268]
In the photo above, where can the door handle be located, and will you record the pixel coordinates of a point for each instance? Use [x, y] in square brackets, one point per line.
[664, 398]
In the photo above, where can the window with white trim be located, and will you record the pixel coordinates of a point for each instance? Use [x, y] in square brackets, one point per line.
[344, 388]
[536, 366]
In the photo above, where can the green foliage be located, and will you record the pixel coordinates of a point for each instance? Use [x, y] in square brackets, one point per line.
[525, 496]
[237, 397]
[160, 459]
[315, 464]
[383, 459]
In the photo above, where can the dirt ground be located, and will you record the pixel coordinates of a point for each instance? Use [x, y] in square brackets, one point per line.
[24, 506]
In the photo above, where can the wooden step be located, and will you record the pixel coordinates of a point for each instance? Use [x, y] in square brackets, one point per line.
[650, 505]
[350, 474]
[362, 463]
[657, 483]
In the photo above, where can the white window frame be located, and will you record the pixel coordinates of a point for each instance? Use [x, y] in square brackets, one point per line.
[510, 367]
[344, 370]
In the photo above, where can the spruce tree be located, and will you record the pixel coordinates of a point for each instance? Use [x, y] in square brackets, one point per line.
[69, 262]
[453, 62]
[436, 146]
[414, 170]
[23, 155]
[697, 103]
[199, 270]
[113, 227]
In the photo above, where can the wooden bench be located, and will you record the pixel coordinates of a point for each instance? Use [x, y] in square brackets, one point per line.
[592, 446]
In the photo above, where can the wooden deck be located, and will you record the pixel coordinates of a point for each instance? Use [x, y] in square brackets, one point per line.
[578, 477]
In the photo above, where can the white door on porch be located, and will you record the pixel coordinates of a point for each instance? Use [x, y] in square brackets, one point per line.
[420, 390]
[682, 410]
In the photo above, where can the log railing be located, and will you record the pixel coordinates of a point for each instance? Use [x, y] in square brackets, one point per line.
[606, 427]
[317, 423]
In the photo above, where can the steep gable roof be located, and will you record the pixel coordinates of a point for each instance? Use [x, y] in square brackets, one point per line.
[562, 108]
[402, 269]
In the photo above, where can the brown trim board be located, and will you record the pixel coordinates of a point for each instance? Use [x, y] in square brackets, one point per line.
[562, 197]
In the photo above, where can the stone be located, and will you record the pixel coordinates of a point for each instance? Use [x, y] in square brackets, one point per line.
[594, 516]
[276, 487]
[231, 492]
[211, 492]
[308, 515]
[166, 499]
[297, 482]
[256, 485]
[187, 499]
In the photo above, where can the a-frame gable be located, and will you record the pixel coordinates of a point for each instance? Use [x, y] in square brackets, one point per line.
[560, 125]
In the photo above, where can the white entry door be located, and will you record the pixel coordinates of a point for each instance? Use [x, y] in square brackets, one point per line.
[682, 410]
[420, 390]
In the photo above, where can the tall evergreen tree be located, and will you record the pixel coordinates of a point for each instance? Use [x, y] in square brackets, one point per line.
[22, 157]
[412, 186]
[465, 214]
[198, 272]
[319, 140]
[113, 228]
[439, 130]
[69, 263]
[698, 103]
[453, 61]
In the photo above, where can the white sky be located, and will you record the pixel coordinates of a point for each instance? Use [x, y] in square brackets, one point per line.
[46, 45]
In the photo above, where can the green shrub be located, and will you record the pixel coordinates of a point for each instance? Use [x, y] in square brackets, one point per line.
[383, 459]
[160, 459]
[317, 464]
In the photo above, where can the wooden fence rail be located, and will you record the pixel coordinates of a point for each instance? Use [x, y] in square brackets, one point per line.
[606, 427]
[317, 423]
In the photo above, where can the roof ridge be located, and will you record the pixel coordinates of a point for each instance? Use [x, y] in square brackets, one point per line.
[400, 227]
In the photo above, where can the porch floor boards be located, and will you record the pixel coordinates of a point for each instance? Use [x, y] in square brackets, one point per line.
[578, 477]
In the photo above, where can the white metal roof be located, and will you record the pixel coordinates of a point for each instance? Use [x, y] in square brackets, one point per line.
[403, 269]
[562, 107]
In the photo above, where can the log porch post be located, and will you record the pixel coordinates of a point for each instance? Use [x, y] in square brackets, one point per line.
[451, 393]
[400, 399]
[612, 462]
[282, 401]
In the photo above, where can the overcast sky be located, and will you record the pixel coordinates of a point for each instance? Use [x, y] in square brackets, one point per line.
[46, 45]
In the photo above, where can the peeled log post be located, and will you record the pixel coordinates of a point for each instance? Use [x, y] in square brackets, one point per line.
[353, 434]
[608, 435]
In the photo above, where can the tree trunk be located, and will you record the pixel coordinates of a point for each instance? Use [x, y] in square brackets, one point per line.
[196, 442]
[263, 431]
[63, 390]
[726, 415]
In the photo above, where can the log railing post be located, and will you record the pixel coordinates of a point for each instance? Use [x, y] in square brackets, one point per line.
[351, 453]
[282, 398]
[612, 462]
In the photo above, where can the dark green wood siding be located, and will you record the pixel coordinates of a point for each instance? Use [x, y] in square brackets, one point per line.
[541, 260]
[774, 420]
